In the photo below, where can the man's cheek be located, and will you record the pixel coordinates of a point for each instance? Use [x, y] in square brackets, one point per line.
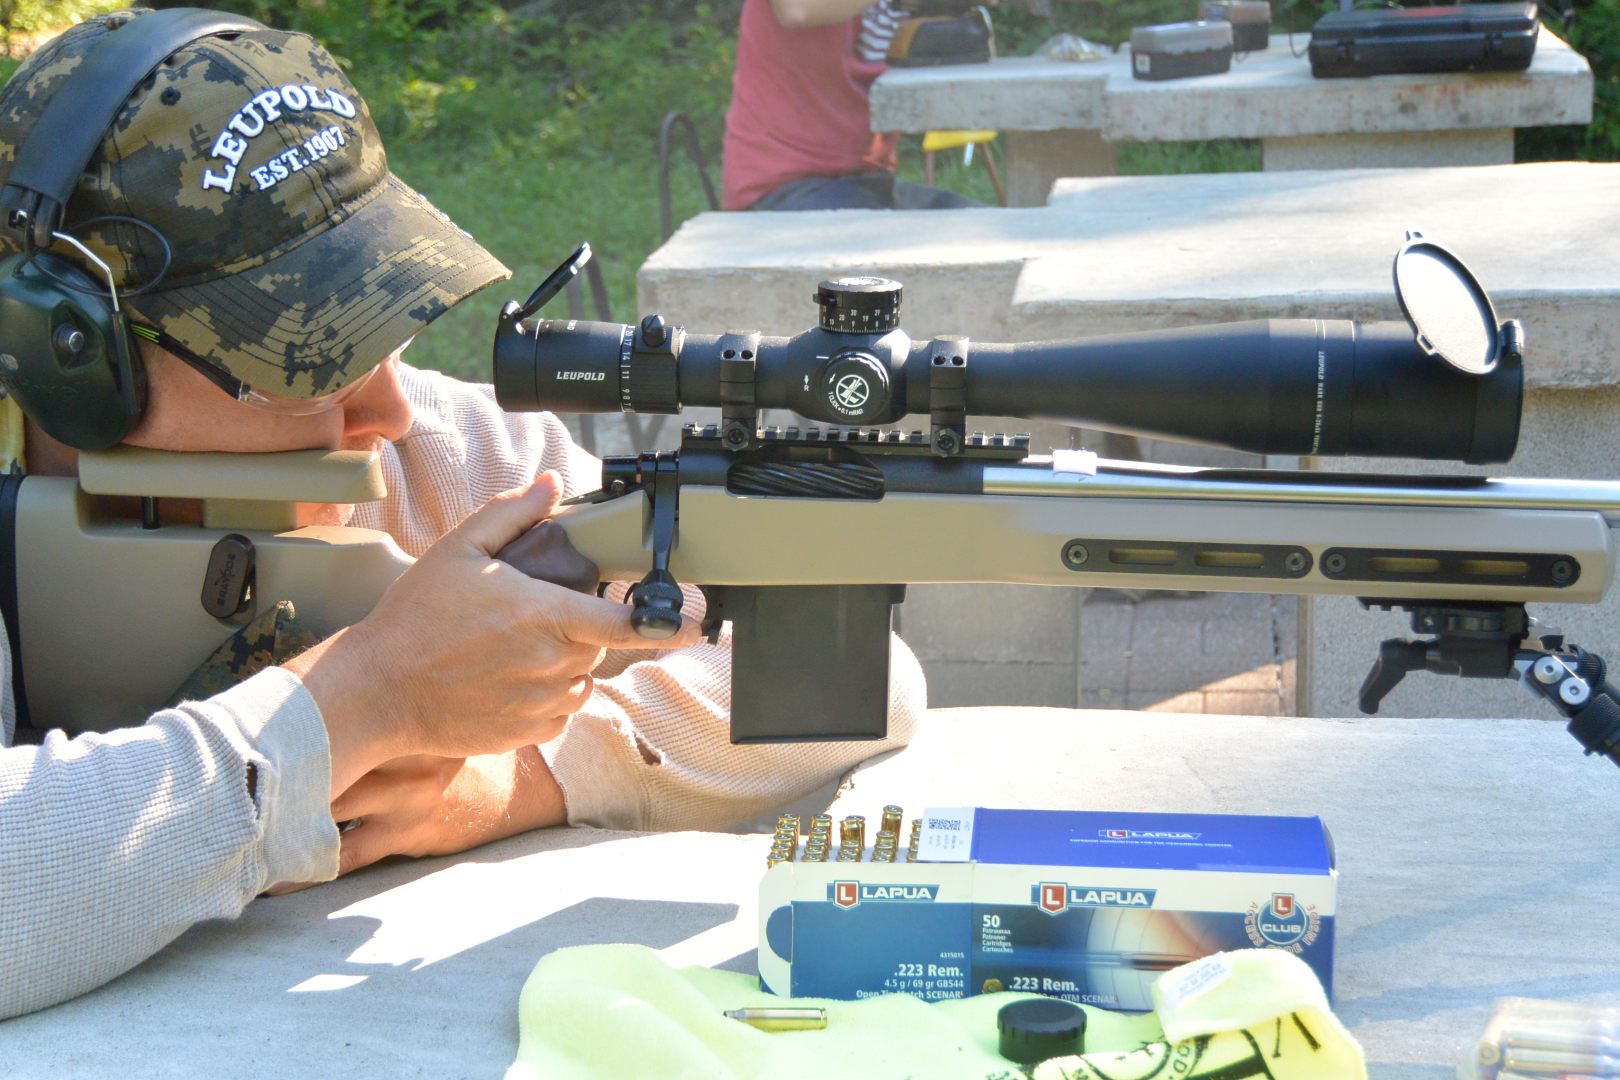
[324, 513]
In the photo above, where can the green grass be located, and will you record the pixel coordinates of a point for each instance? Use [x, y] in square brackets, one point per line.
[536, 134]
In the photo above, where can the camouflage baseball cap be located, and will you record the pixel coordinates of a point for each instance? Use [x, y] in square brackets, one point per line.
[298, 261]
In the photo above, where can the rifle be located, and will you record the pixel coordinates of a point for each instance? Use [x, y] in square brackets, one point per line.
[805, 540]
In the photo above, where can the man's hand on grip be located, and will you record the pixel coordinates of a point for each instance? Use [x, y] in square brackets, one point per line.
[464, 654]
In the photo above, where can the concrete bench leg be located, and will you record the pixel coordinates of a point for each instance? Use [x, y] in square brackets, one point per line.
[1037, 158]
[1418, 149]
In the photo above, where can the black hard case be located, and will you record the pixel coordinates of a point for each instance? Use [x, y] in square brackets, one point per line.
[1387, 41]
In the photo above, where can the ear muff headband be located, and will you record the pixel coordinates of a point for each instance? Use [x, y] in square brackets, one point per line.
[47, 167]
[66, 351]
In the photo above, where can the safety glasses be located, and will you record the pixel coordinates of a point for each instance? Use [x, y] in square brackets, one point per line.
[250, 395]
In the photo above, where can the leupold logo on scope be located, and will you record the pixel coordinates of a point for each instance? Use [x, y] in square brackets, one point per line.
[846, 894]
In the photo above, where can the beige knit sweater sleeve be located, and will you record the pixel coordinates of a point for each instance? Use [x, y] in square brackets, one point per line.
[651, 749]
[113, 844]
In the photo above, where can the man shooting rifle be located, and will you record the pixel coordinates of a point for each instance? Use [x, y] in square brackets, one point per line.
[204, 250]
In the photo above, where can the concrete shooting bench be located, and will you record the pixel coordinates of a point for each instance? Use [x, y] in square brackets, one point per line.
[1064, 118]
[1115, 254]
[1475, 859]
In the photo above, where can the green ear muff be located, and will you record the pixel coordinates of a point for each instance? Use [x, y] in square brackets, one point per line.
[66, 355]
[66, 351]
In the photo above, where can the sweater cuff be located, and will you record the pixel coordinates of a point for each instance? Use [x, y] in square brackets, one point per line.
[283, 725]
[599, 768]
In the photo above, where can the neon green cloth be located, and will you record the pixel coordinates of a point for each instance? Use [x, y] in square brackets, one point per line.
[1250, 1012]
[598, 1011]
[11, 437]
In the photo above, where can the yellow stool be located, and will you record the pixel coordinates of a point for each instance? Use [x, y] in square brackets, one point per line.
[935, 141]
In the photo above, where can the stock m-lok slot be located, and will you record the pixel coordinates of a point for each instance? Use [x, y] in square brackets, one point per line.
[1526, 569]
[1184, 559]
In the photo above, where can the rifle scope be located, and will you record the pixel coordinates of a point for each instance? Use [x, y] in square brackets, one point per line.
[1279, 386]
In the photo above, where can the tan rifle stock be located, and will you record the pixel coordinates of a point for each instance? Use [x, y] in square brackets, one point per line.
[928, 538]
[111, 612]
[845, 520]
[114, 623]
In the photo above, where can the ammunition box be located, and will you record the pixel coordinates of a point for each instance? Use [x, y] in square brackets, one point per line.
[1087, 906]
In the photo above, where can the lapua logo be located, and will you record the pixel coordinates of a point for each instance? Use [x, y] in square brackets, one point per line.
[1055, 897]
[846, 894]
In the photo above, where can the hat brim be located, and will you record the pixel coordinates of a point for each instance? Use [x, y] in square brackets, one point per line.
[320, 315]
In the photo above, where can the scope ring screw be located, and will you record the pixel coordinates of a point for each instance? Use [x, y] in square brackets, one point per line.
[947, 443]
[1563, 571]
[1334, 564]
[1295, 562]
[1075, 554]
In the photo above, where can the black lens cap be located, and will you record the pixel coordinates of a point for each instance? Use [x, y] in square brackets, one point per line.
[1041, 1028]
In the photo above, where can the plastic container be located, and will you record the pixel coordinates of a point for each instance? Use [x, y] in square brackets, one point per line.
[1181, 50]
[1250, 19]
[1546, 1039]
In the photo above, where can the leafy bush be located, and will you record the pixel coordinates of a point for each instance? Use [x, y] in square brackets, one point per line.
[1595, 34]
[24, 22]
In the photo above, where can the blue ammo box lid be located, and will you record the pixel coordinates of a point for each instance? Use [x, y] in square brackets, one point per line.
[1229, 843]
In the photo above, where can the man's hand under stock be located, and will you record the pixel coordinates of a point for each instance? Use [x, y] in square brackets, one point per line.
[427, 805]
[464, 654]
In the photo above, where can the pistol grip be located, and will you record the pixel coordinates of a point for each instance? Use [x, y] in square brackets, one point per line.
[546, 554]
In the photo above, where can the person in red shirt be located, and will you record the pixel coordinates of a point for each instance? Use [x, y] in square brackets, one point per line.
[798, 132]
